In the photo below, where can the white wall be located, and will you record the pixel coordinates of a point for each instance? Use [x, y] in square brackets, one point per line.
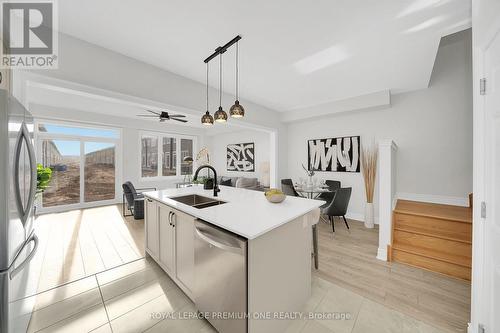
[88, 64]
[432, 128]
[217, 145]
[131, 129]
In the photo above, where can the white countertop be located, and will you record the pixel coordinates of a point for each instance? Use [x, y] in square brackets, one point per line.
[246, 212]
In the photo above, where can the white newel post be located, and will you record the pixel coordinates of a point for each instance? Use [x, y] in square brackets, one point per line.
[387, 191]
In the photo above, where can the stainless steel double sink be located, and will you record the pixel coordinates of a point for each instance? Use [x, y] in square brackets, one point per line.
[198, 201]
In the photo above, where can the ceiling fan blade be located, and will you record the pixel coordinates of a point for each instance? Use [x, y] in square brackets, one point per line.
[154, 112]
[147, 115]
[176, 116]
[182, 120]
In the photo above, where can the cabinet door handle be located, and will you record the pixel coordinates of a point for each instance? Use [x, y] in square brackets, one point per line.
[173, 222]
[149, 200]
[170, 218]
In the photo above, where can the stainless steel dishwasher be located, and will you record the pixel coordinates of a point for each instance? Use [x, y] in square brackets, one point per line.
[221, 277]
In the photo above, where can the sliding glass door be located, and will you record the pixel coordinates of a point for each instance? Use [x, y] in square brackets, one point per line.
[99, 171]
[63, 157]
[83, 161]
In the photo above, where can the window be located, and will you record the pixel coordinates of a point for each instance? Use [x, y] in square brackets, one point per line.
[83, 162]
[169, 157]
[162, 150]
[186, 151]
[99, 171]
[149, 153]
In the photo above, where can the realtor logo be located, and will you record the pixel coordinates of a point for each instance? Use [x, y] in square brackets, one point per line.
[29, 34]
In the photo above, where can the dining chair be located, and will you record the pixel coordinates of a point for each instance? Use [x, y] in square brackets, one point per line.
[338, 206]
[287, 188]
[333, 185]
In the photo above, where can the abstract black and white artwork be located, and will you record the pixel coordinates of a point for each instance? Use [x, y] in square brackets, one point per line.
[334, 154]
[241, 157]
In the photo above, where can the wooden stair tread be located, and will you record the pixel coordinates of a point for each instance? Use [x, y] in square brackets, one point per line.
[433, 254]
[442, 234]
[438, 211]
[433, 236]
[431, 264]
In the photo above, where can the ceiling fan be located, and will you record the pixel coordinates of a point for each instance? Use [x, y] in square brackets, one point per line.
[163, 115]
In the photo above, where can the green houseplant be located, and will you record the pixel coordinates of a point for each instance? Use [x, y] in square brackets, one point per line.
[43, 177]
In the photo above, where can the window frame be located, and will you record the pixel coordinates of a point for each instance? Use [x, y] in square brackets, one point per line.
[159, 136]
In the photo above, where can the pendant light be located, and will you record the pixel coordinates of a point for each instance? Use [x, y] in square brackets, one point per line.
[207, 118]
[237, 110]
[220, 115]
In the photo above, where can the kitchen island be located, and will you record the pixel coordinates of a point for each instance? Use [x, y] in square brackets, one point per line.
[274, 264]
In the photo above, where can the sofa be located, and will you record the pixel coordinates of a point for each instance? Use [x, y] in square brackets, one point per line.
[240, 182]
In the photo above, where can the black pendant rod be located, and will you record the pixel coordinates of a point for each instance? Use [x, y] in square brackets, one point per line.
[222, 49]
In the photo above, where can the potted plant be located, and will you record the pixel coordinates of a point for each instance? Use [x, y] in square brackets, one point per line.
[43, 178]
[369, 166]
[208, 183]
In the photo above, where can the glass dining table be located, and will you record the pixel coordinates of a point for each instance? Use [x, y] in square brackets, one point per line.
[312, 192]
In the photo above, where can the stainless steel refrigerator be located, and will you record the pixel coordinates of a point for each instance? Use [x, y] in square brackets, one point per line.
[18, 239]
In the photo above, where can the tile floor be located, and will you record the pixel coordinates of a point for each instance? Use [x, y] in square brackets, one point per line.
[123, 299]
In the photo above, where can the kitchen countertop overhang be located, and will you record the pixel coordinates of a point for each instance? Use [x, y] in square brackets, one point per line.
[245, 212]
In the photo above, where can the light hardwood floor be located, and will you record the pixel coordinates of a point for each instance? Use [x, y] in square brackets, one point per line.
[347, 259]
[80, 243]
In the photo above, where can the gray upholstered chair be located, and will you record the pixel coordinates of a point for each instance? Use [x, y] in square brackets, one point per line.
[134, 200]
[287, 188]
[338, 206]
[333, 185]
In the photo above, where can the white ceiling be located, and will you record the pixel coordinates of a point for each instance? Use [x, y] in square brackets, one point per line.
[293, 54]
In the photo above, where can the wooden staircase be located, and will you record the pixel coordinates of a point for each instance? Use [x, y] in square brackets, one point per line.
[434, 237]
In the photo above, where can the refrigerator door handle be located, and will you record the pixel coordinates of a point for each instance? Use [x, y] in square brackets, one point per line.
[34, 172]
[33, 238]
[24, 136]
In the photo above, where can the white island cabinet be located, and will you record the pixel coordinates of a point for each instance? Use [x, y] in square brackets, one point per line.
[152, 227]
[170, 242]
[278, 250]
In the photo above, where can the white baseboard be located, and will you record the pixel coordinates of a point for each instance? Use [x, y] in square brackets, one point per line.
[438, 199]
[359, 217]
[382, 254]
[355, 216]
